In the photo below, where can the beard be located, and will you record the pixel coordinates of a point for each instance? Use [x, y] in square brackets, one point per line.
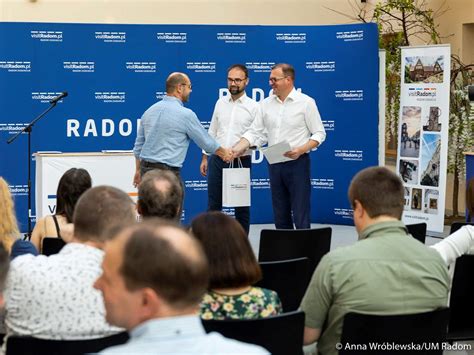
[234, 90]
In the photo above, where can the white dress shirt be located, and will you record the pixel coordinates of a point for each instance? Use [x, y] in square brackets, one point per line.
[53, 298]
[295, 120]
[232, 118]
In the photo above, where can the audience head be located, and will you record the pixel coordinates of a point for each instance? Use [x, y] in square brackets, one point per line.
[8, 224]
[376, 192]
[152, 270]
[160, 194]
[4, 266]
[100, 212]
[72, 185]
[232, 263]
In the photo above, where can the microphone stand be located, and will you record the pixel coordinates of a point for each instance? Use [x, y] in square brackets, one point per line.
[28, 129]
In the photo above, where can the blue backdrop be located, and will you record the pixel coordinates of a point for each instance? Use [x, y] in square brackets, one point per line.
[114, 72]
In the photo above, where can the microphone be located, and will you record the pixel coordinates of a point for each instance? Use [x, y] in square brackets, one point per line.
[59, 97]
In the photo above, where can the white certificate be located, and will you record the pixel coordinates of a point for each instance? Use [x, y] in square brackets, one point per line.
[274, 153]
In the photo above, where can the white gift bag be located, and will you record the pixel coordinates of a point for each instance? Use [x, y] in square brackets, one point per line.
[236, 186]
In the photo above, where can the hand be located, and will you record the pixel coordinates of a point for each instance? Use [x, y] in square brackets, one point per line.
[240, 147]
[203, 167]
[294, 153]
[136, 179]
[229, 155]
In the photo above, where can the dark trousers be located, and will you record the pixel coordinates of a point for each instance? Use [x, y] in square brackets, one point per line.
[214, 188]
[291, 192]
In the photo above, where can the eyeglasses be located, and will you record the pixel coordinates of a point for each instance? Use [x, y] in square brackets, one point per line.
[275, 79]
[188, 85]
[237, 81]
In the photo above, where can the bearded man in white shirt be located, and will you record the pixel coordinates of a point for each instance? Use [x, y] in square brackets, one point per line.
[233, 115]
[291, 116]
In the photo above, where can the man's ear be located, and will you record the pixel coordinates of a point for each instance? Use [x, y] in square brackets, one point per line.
[151, 303]
[358, 209]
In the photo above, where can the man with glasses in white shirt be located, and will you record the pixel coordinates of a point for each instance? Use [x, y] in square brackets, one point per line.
[233, 115]
[288, 115]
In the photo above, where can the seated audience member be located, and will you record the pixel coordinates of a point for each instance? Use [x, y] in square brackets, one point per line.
[53, 297]
[8, 225]
[233, 271]
[453, 246]
[385, 272]
[72, 185]
[160, 194]
[154, 276]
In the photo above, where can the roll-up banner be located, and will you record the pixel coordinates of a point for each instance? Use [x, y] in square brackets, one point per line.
[423, 133]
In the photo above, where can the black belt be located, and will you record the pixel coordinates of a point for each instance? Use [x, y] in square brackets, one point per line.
[163, 166]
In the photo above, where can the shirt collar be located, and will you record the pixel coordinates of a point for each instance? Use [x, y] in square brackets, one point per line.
[172, 98]
[293, 95]
[239, 100]
[173, 327]
[375, 229]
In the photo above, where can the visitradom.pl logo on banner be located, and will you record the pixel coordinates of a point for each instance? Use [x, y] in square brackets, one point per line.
[16, 66]
[232, 37]
[201, 67]
[350, 36]
[291, 37]
[47, 36]
[110, 96]
[45, 97]
[318, 67]
[172, 37]
[260, 67]
[113, 37]
[141, 67]
[350, 95]
[79, 67]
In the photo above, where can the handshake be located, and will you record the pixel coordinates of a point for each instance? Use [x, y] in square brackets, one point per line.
[229, 154]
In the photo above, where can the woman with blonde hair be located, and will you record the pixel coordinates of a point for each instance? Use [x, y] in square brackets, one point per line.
[8, 225]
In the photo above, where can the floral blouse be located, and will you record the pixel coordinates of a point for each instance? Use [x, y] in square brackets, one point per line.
[254, 303]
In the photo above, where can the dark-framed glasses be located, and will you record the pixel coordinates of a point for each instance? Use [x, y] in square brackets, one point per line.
[273, 80]
[237, 81]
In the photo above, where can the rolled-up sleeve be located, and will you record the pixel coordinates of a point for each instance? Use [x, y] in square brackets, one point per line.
[314, 123]
[139, 141]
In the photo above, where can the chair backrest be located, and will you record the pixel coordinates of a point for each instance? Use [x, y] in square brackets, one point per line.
[461, 326]
[418, 231]
[28, 345]
[287, 278]
[362, 330]
[52, 245]
[457, 225]
[280, 335]
[284, 244]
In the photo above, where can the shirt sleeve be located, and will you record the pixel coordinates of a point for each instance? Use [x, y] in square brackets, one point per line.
[139, 141]
[213, 125]
[318, 297]
[459, 243]
[257, 133]
[314, 123]
[198, 134]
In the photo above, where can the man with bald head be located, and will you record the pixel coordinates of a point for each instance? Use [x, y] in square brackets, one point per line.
[166, 129]
[154, 276]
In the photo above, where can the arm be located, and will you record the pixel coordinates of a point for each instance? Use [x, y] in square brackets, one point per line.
[456, 244]
[137, 176]
[37, 235]
[137, 149]
[203, 166]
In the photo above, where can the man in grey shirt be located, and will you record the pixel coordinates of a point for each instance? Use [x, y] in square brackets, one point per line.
[166, 129]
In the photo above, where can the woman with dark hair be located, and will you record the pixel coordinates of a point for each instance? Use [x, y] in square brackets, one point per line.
[71, 186]
[233, 271]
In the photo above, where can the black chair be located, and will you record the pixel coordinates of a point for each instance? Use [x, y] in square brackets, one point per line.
[457, 225]
[418, 231]
[52, 245]
[280, 335]
[461, 326]
[28, 345]
[284, 244]
[287, 278]
[359, 331]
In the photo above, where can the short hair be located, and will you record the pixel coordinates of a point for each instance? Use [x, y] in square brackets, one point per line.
[287, 69]
[380, 192]
[151, 260]
[164, 203]
[232, 262]
[4, 266]
[72, 185]
[100, 212]
[240, 67]
[173, 81]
